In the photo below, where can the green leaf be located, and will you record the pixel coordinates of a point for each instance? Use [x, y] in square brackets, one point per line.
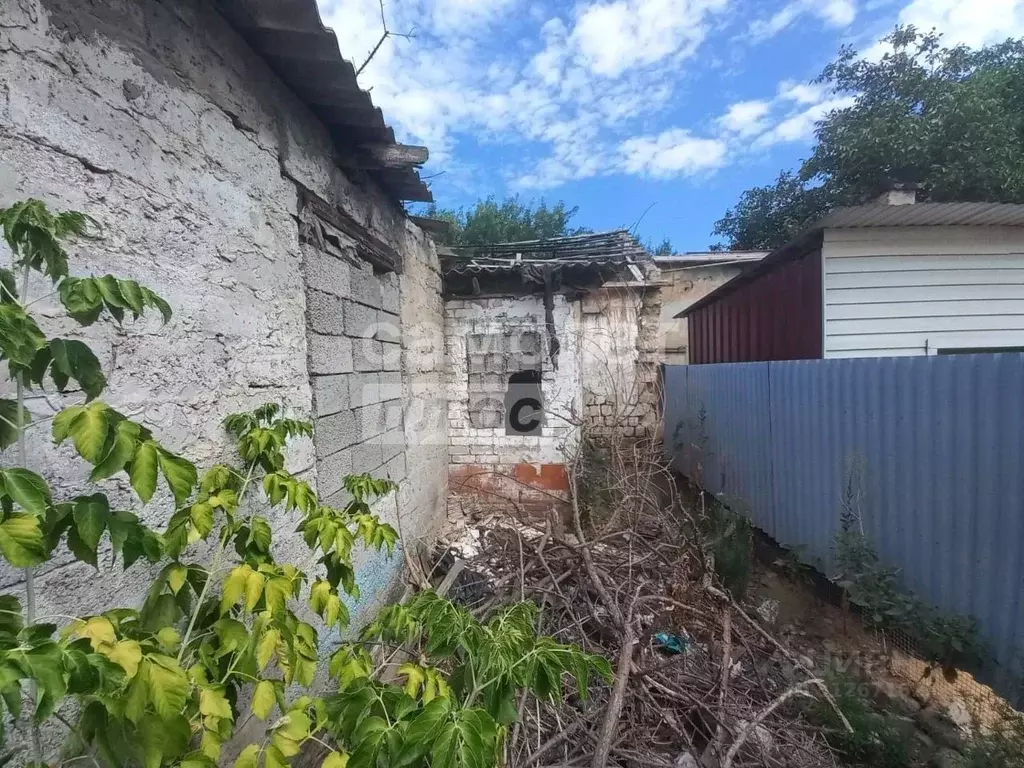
[61, 426]
[260, 534]
[254, 589]
[9, 422]
[88, 430]
[21, 540]
[274, 757]
[81, 298]
[263, 699]
[463, 743]
[267, 647]
[276, 593]
[20, 337]
[234, 587]
[179, 473]
[80, 549]
[248, 757]
[28, 489]
[110, 290]
[132, 294]
[72, 359]
[318, 596]
[8, 288]
[422, 732]
[155, 301]
[91, 516]
[126, 434]
[335, 760]
[142, 472]
[176, 575]
[11, 619]
[213, 703]
[168, 686]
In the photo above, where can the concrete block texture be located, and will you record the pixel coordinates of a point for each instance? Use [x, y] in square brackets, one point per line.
[331, 471]
[330, 394]
[328, 314]
[360, 321]
[329, 354]
[367, 355]
[369, 421]
[326, 272]
[159, 120]
[366, 287]
[364, 389]
[335, 432]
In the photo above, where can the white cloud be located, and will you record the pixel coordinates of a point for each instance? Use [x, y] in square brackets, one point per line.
[834, 13]
[801, 93]
[671, 153]
[745, 118]
[799, 126]
[972, 22]
[590, 78]
[612, 37]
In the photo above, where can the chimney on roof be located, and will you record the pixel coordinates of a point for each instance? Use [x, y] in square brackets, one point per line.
[898, 193]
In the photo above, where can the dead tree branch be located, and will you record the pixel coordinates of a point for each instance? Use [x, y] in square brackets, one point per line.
[387, 33]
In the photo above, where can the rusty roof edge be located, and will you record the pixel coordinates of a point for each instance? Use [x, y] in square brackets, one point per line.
[801, 245]
[254, 20]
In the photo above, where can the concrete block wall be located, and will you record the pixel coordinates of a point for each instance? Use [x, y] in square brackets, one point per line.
[485, 340]
[157, 119]
[352, 318]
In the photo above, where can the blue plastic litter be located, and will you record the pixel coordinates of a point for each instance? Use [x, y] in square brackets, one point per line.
[669, 643]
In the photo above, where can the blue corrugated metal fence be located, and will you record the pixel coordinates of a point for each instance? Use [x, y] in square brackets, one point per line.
[932, 449]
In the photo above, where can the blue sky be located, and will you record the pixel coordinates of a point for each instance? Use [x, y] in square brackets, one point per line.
[672, 107]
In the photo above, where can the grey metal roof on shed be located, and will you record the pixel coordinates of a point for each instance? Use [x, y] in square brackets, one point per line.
[290, 36]
[873, 215]
[925, 215]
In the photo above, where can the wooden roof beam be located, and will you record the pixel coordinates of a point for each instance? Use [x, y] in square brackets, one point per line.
[394, 155]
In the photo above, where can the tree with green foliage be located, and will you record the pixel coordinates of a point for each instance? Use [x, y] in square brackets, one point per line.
[163, 683]
[506, 222]
[949, 119]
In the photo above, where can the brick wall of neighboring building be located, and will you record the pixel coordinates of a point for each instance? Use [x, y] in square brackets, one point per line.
[486, 341]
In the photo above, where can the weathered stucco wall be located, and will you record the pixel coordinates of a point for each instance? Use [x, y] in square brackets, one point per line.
[158, 120]
[683, 286]
[620, 352]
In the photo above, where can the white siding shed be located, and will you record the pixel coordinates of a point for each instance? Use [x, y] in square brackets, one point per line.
[922, 290]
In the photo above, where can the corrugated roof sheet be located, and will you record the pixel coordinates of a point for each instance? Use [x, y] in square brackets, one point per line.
[925, 215]
[291, 37]
[875, 215]
[471, 268]
[615, 247]
[710, 257]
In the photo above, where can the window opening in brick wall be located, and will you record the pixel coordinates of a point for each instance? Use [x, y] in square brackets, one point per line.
[524, 404]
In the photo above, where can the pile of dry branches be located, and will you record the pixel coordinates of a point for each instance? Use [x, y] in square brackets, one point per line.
[627, 570]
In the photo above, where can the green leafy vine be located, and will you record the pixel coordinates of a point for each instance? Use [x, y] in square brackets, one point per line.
[167, 682]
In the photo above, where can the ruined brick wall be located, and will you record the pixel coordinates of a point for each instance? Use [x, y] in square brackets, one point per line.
[158, 120]
[619, 344]
[486, 341]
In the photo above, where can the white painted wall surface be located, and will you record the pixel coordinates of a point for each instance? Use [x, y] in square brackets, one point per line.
[914, 290]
